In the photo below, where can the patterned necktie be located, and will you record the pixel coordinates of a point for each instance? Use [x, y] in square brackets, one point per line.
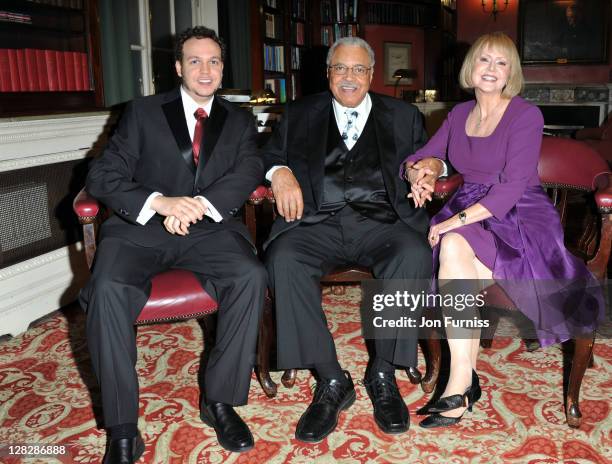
[200, 115]
[350, 130]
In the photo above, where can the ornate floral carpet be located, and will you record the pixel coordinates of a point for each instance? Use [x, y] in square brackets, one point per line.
[46, 398]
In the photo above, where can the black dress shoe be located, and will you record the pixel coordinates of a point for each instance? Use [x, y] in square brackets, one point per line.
[321, 417]
[473, 394]
[390, 411]
[123, 450]
[232, 433]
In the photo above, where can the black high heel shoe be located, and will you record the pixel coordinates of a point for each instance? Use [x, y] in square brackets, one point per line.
[473, 394]
[437, 420]
[448, 403]
[475, 391]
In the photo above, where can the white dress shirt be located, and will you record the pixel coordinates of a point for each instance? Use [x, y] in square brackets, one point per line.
[190, 106]
[363, 111]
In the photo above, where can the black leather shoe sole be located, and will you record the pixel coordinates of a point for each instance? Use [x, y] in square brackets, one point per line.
[346, 403]
[228, 446]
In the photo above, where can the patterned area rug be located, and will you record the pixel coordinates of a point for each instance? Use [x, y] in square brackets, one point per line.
[45, 399]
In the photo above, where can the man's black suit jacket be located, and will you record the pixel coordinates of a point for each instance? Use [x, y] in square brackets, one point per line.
[151, 151]
[300, 142]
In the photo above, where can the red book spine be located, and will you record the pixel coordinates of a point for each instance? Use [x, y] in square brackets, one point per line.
[69, 66]
[32, 69]
[85, 70]
[78, 71]
[61, 71]
[14, 69]
[51, 65]
[5, 71]
[23, 72]
[41, 66]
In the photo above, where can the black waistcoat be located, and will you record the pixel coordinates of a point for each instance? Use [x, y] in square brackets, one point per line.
[354, 177]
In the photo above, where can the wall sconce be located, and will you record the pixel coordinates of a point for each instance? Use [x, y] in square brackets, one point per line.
[400, 74]
[494, 10]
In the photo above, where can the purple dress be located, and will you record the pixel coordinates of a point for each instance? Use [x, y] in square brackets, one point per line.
[522, 243]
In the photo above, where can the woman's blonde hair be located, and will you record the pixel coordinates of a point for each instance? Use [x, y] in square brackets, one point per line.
[505, 45]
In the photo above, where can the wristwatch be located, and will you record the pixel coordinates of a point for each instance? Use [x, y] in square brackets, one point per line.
[462, 217]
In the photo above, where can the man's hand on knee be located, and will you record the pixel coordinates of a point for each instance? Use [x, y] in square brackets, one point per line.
[186, 209]
[287, 194]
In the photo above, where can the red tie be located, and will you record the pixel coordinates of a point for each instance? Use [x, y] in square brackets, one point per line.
[200, 115]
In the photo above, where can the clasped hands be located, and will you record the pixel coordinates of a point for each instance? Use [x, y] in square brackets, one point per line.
[180, 212]
[422, 176]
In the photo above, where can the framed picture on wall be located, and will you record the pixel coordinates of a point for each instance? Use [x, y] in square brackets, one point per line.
[563, 31]
[398, 55]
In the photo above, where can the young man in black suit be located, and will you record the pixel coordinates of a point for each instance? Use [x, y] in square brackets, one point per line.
[333, 164]
[176, 174]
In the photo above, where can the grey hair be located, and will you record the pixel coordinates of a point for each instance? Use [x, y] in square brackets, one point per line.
[351, 42]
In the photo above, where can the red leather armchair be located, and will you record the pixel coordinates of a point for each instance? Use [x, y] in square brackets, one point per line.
[567, 165]
[600, 138]
[175, 294]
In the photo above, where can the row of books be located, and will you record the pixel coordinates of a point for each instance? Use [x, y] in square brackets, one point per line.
[402, 14]
[273, 3]
[295, 90]
[298, 8]
[329, 34]
[298, 35]
[279, 87]
[296, 58]
[344, 11]
[77, 4]
[274, 58]
[14, 17]
[274, 26]
[68, 22]
[32, 70]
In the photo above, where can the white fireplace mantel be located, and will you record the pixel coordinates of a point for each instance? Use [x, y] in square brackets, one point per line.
[35, 287]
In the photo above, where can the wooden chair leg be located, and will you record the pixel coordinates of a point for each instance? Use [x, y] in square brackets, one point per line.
[289, 377]
[583, 351]
[414, 375]
[264, 344]
[486, 340]
[433, 360]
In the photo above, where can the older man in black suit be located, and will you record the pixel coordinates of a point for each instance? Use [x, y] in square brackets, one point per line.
[176, 174]
[333, 165]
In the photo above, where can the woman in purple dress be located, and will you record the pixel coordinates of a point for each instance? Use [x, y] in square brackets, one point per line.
[500, 223]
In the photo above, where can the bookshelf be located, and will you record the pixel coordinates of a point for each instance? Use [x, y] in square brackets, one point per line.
[442, 61]
[280, 33]
[336, 19]
[49, 56]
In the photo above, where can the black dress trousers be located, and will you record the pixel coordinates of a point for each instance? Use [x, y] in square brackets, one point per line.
[119, 288]
[298, 258]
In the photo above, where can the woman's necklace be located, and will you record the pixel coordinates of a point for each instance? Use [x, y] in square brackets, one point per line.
[481, 119]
